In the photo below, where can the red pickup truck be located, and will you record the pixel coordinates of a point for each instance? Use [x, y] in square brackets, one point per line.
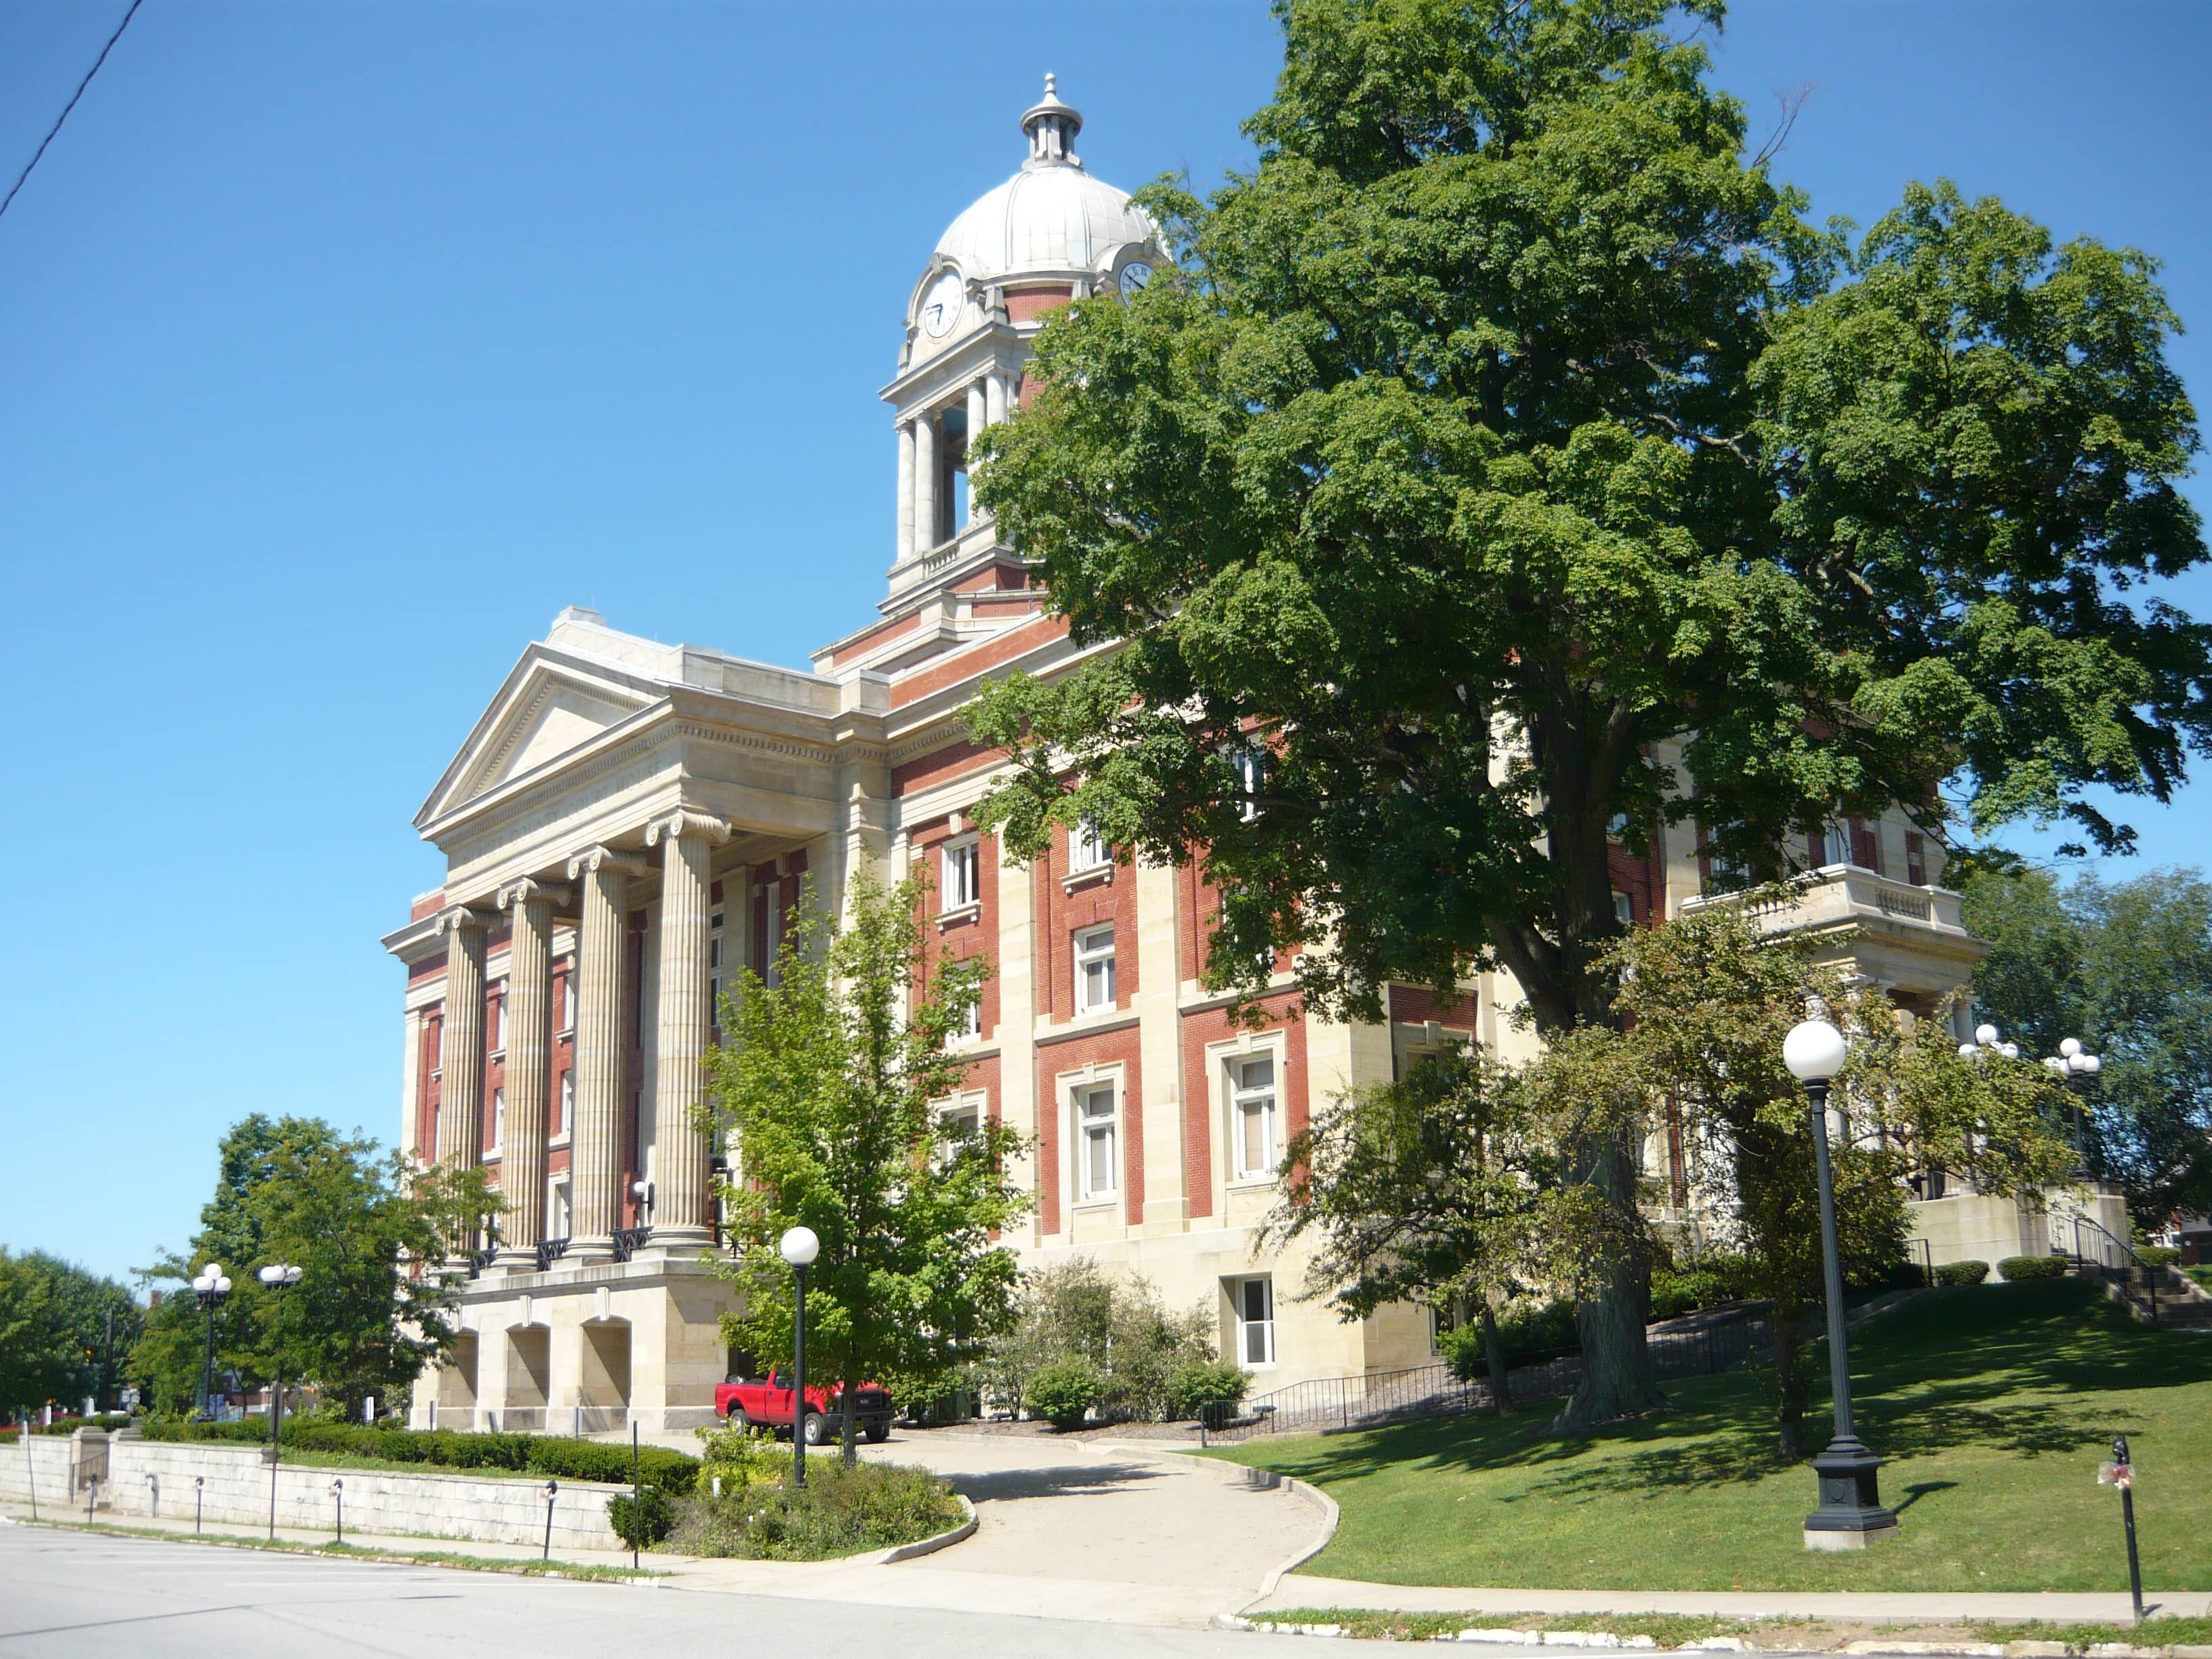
[766, 1402]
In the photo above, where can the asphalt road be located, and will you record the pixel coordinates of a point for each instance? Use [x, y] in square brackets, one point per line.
[82, 1593]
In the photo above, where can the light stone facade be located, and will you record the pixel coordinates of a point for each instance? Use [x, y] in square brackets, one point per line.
[629, 822]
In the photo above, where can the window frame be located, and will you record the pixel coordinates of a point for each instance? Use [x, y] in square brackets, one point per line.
[1087, 850]
[1250, 761]
[1239, 1094]
[1239, 1288]
[1086, 954]
[1087, 1128]
[960, 875]
[568, 1103]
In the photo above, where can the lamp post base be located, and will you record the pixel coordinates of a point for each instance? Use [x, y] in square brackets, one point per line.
[1850, 1516]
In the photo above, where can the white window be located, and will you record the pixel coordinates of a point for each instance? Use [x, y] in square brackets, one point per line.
[962, 882]
[714, 968]
[1087, 849]
[569, 1101]
[960, 1121]
[1252, 1116]
[1094, 969]
[1254, 1300]
[494, 1006]
[970, 1023]
[556, 1211]
[1835, 844]
[1624, 912]
[1251, 764]
[568, 997]
[498, 1117]
[1097, 1130]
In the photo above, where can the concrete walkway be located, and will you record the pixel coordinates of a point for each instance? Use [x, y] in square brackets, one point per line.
[1870, 1607]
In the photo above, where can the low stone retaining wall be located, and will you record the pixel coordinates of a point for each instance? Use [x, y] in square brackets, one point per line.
[156, 1477]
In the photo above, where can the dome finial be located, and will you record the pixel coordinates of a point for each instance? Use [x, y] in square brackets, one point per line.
[1052, 126]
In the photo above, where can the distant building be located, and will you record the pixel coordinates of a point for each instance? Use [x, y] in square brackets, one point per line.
[629, 822]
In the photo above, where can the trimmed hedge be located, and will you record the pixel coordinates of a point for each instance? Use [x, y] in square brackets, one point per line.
[1207, 1382]
[1064, 1392]
[1962, 1273]
[2160, 1256]
[556, 1455]
[2017, 1267]
[643, 1523]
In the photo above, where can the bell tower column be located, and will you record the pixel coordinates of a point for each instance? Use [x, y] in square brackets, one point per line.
[925, 482]
[905, 492]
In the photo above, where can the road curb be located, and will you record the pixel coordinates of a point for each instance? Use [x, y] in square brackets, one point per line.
[943, 1540]
[1248, 1474]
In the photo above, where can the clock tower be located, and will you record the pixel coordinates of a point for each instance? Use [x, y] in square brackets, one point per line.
[1049, 234]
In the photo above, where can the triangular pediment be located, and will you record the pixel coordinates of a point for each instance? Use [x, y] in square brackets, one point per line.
[552, 705]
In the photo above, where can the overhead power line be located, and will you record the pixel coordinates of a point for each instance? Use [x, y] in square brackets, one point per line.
[20, 178]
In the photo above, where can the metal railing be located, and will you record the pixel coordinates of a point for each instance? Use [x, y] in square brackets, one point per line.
[549, 1251]
[2093, 1245]
[629, 1241]
[1715, 1344]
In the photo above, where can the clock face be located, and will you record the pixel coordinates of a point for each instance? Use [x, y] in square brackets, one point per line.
[940, 307]
[1134, 276]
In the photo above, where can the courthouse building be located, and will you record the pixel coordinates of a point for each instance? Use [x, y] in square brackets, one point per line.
[629, 821]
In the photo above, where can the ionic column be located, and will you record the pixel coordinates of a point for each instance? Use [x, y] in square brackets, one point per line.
[595, 1152]
[679, 1175]
[925, 483]
[978, 419]
[905, 492]
[529, 1015]
[461, 1044]
[994, 398]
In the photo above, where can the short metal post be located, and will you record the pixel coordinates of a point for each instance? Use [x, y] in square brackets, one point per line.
[337, 1492]
[199, 1498]
[92, 1486]
[799, 1376]
[30, 1467]
[551, 1486]
[636, 1497]
[2126, 1481]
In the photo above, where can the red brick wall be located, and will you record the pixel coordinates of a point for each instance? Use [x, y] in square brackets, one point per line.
[1124, 1047]
[426, 1099]
[1027, 305]
[969, 662]
[1061, 915]
[939, 764]
[1215, 1025]
[970, 936]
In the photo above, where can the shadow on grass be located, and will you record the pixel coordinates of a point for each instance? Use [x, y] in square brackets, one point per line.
[1989, 1366]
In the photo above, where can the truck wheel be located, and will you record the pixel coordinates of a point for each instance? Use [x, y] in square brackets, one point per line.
[739, 1420]
[876, 1434]
[816, 1430]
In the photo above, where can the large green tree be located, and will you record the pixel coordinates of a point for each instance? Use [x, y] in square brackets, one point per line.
[63, 1332]
[1507, 461]
[369, 1232]
[828, 1088]
[2127, 968]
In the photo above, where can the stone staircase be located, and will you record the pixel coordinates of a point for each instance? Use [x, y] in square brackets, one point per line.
[2160, 1295]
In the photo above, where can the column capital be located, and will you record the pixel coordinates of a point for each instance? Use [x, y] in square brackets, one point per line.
[456, 918]
[593, 859]
[685, 822]
[518, 892]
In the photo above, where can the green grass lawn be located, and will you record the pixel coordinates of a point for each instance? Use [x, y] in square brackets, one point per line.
[1994, 1404]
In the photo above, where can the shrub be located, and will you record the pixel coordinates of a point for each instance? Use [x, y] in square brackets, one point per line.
[1064, 1392]
[1532, 1332]
[644, 1522]
[1134, 1340]
[1206, 1382]
[539, 1454]
[2155, 1256]
[2016, 1267]
[1962, 1273]
[840, 1512]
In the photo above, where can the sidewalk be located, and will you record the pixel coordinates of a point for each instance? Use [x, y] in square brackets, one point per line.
[1872, 1608]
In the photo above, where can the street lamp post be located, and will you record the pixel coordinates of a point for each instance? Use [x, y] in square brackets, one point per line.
[276, 1278]
[1850, 1516]
[212, 1286]
[798, 1247]
[2076, 1068]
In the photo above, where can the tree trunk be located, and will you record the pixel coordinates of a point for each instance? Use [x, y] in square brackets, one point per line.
[1793, 1389]
[1619, 1379]
[1493, 1354]
[850, 1431]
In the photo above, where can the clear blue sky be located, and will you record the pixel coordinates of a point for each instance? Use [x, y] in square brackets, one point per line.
[341, 345]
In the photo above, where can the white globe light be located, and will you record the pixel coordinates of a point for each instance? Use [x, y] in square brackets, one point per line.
[222, 1284]
[270, 1275]
[2090, 1064]
[293, 1275]
[214, 1270]
[1813, 1051]
[799, 1247]
[202, 1284]
[1965, 1051]
[2071, 1047]
[2052, 1063]
[1986, 1035]
[2009, 1050]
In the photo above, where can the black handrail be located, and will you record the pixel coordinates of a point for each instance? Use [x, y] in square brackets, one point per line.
[2120, 1246]
[630, 1240]
[549, 1251]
